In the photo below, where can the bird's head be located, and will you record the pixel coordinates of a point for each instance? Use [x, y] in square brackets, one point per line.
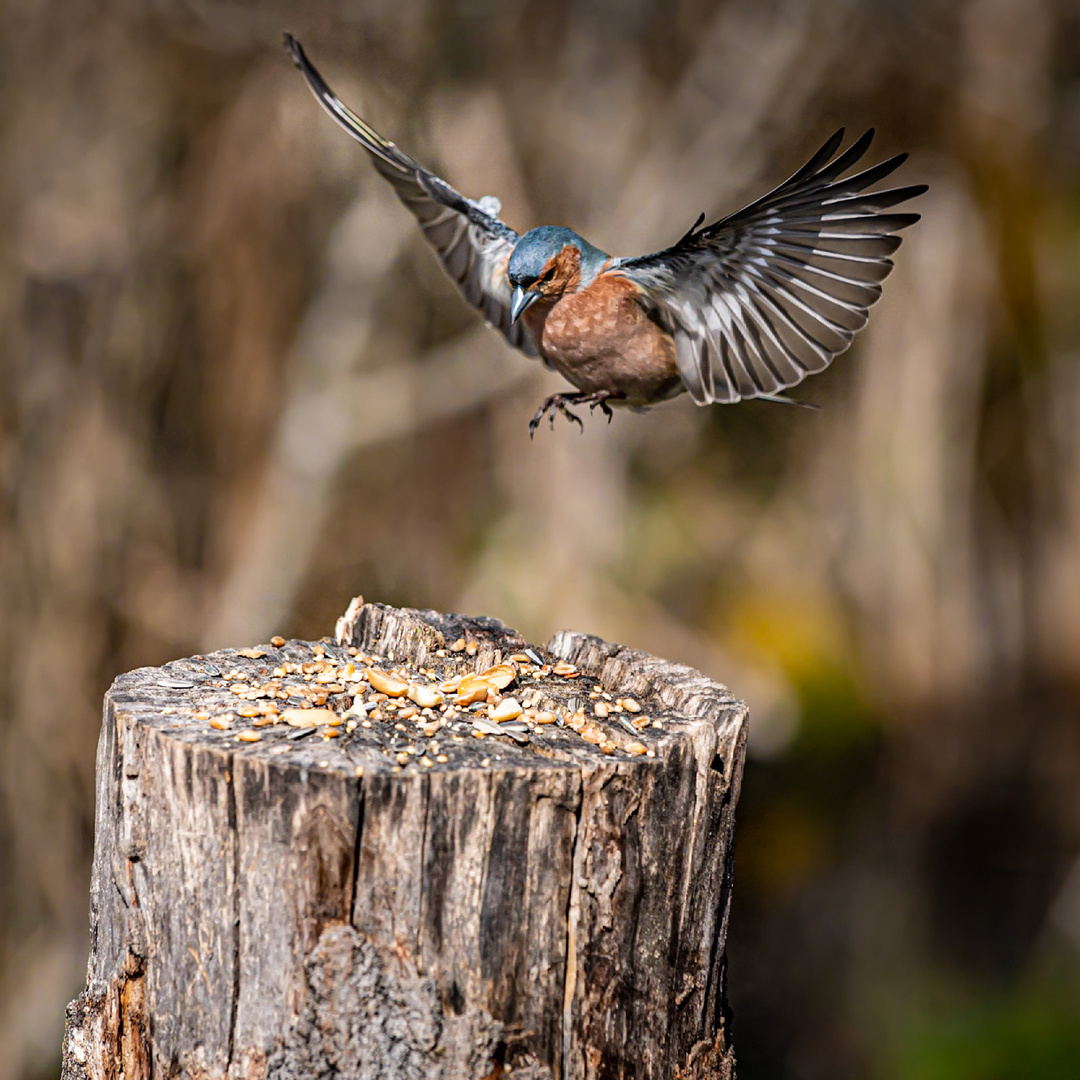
[547, 262]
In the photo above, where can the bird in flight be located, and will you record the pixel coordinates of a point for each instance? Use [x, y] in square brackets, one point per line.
[746, 307]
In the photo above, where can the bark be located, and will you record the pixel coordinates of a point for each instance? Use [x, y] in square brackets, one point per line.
[299, 907]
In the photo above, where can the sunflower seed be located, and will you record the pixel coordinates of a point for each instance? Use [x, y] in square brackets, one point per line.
[176, 684]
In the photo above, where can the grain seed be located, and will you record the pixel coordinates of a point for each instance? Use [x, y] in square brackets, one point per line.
[427, 697]
[277, 641]
[629, 704]
[223, 721]
[386, 683]
[248, 736]
[501, 675]
[458, 646]
[507, 709]
[305, 718]
[473, 688]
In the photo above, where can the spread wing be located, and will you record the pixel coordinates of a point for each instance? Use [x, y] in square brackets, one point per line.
[765, 297]
[473, 244]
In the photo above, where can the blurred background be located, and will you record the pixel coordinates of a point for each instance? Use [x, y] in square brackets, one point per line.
[236, 389]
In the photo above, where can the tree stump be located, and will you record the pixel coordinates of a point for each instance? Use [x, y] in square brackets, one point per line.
[345, 880]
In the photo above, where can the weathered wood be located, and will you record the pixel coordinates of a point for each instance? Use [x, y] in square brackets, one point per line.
[301, 906]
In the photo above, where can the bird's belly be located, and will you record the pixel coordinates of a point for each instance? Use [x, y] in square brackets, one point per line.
[601, 338]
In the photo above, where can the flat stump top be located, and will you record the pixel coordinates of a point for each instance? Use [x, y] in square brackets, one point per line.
[466, 705]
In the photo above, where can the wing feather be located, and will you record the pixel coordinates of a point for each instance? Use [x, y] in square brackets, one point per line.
[470, 239]
[770, 294]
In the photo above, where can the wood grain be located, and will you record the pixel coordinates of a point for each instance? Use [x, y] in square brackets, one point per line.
[300, 908]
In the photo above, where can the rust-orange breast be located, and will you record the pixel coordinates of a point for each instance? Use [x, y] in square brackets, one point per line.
[601, 338]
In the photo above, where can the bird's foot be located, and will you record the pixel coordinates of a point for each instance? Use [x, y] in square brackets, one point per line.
[558, 403]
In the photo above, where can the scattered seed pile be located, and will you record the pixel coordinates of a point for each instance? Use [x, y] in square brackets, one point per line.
[299, 694]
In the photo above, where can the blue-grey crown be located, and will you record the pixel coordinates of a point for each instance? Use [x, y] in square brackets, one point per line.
[536, 248]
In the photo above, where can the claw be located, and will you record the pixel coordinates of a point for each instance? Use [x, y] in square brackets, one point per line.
[557, 403]
[604, 407]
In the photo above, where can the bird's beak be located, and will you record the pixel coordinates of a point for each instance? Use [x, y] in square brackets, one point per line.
[520, 301]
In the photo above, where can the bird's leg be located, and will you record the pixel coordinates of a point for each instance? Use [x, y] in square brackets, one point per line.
[558, 403]
[555, 404]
